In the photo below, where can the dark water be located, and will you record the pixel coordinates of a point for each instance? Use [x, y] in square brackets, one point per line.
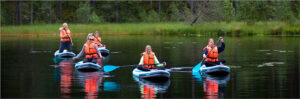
[261, 67]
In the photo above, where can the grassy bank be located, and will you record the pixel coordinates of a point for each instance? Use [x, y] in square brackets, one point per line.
[212, 28]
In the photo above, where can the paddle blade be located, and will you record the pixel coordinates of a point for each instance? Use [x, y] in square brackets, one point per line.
[109, 68]
[197, 67]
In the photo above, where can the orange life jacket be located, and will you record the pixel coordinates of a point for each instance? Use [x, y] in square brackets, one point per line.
[148, 59]
[64, 32]
[213, 55]
[90, 50]
[97, 41]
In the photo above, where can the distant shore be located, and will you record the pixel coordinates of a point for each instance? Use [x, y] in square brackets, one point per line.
[210, 28]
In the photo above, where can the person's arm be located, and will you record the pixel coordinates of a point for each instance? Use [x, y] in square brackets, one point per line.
[60, 34]
[221, 48]
[141, 61]
[205, 51]
[99, 39]
[157, 62]
[81, 53]
[99, 53]
[70, 37]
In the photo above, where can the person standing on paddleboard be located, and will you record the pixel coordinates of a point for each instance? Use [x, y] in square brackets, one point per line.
[90, 49]
[211, 53]
[65, 38]
[148, 57]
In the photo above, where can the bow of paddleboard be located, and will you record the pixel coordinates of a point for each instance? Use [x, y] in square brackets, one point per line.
[64, 54]
[87, 67]
[152, 74]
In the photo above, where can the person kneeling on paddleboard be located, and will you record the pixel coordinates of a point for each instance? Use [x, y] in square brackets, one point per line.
[213, 53]
[148, 57]
[90, 50]
[97, 39]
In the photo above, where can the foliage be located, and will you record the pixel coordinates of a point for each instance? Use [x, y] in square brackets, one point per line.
[170, 28]
[174, 12]
[83, 13]
[148, 11]
[95, 18]
[228, 11]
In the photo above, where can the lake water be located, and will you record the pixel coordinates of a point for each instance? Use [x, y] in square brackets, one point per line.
[261, 67]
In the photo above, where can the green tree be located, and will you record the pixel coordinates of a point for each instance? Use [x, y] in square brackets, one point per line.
[229, 14]
[152, 16]
[83, 13]
[188, 15]
[284, 12]
[95, 18]
[174, 12]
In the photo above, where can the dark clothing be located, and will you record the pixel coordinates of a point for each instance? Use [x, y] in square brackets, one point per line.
[147, 69]
[208, 64]
[93, 60]
[65, 44]
[143, 68]
[220, 49]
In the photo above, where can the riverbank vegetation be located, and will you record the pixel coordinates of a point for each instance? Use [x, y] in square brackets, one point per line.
[224, 17]
[212, 28]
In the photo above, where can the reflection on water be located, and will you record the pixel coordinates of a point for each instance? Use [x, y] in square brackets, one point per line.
[150, 88]
[92, 82]
[213, 86]
[26, 70]
[66, 68]
[110, 86]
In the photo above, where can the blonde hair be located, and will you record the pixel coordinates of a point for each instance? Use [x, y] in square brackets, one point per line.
[90, 34]
[210, 39]
[146, 48]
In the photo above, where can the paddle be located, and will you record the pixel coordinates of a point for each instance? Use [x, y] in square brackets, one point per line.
[197, 67]
[109, 68]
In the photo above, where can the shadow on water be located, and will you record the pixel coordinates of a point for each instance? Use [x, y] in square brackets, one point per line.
[150, 88]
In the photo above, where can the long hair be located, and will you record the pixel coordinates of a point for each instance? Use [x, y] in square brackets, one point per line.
[87, 37]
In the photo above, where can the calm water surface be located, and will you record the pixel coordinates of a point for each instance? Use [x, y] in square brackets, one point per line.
[261, 67]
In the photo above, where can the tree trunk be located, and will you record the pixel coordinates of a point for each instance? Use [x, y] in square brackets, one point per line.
[159, 9]
[93, 4]
[191, 3]
[18, 13]
[151, 4]
[116, 12]
[31, 12]
[50, 12]
[59, 9]
[235, 7]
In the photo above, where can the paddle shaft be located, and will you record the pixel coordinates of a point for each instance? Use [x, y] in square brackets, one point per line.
[209, 51]
[139, 65]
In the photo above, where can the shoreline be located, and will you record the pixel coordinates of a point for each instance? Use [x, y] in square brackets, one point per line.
[167, 28]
